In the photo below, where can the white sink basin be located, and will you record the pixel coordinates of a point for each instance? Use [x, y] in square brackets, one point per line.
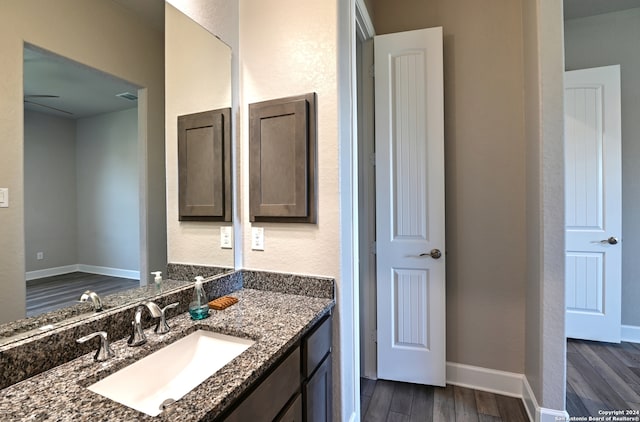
[172, 371]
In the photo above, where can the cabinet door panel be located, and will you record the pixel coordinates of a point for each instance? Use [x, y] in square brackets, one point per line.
[282, 151]
[294, 412]
[268, 399]
[317, 394]
[204, 166]
[315, 347]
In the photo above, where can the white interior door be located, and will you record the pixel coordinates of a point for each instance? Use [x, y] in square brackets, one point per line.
[409, 122]
[593, 198]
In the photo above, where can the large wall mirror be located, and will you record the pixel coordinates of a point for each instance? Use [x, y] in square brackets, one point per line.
[92, 193]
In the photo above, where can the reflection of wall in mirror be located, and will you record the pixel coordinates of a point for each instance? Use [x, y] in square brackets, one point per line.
[198, 78]
[103, 35]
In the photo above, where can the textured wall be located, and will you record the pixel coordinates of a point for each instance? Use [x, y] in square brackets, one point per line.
[484, 172]
[604, 40]
[49, 191]
[108, 195]
[545, 341]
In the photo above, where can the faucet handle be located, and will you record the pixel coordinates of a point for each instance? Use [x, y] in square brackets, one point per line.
[163, 327]
[137, 337]
[104, 351]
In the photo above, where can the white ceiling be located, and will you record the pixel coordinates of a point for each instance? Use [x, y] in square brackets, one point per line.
[583, 8]
[81, 91]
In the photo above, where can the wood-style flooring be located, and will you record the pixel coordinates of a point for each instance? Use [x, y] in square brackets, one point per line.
[51, 293]
[602, 376]
[390, 401]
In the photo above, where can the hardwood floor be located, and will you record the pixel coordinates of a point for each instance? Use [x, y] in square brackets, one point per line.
[50, 293]
[602, 376]
[390, 401]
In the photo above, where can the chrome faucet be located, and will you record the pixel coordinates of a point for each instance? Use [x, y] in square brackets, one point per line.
[95, 299]
[137, 335]
[104, 351]
[163, 327]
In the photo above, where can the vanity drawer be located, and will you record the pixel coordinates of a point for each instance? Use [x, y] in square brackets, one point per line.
[273, 393]
[316, 346]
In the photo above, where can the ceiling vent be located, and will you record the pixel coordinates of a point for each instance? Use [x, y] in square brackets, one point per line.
[127, 95]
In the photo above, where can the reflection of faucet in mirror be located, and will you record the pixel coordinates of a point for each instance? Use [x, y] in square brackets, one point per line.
[95, 299]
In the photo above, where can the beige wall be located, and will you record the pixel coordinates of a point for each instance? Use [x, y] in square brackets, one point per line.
[604, 40]
[485, 172]
[101, 35]
[284, 53]
[198, 78]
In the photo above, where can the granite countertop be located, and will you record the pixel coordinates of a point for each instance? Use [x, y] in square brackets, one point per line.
[276, 321]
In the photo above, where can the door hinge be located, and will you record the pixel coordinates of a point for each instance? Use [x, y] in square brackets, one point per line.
[374, 336]
[372, 159]
[372, 248]
[372, 71]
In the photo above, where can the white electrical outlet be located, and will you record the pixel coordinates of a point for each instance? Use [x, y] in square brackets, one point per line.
[226, 238]
[4, 197]
[39, 256]
[257, 238]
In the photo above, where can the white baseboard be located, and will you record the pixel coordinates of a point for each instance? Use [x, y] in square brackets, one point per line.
[630, 333]
[490, 380]
[50, 272]
[113, 272]
[537, 413]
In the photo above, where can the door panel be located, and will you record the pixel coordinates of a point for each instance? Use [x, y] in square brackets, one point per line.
[593, 203]
[410, 206]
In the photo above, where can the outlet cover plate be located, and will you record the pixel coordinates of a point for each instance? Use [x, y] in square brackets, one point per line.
[4, 197]
[257, 238]
[226, 239]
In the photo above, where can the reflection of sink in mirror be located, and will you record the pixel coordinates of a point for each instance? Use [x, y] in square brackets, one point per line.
[172, 371]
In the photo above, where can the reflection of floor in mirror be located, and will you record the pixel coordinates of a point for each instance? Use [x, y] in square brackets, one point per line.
[51, 293]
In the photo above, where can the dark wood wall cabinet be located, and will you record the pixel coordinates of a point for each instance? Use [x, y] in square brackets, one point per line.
[297, 389]
[282, 160]
[204, 166]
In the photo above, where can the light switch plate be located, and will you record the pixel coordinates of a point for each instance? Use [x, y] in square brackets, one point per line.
[226, 239]
[4, 197]
[257, 238]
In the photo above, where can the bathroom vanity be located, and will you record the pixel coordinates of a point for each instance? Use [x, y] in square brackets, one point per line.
[284, 375]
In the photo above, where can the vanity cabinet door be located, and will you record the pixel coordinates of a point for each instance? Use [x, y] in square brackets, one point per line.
[271, 396]
[293, 412]
[316, 370]
[317, 394]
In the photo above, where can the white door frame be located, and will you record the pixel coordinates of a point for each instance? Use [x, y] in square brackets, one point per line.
[368, 355]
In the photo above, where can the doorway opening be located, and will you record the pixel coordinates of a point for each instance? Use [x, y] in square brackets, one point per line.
[82, 181]
[601, 370]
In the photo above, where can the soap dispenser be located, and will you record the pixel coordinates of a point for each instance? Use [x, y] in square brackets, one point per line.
[199, 306]
[157, 280]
